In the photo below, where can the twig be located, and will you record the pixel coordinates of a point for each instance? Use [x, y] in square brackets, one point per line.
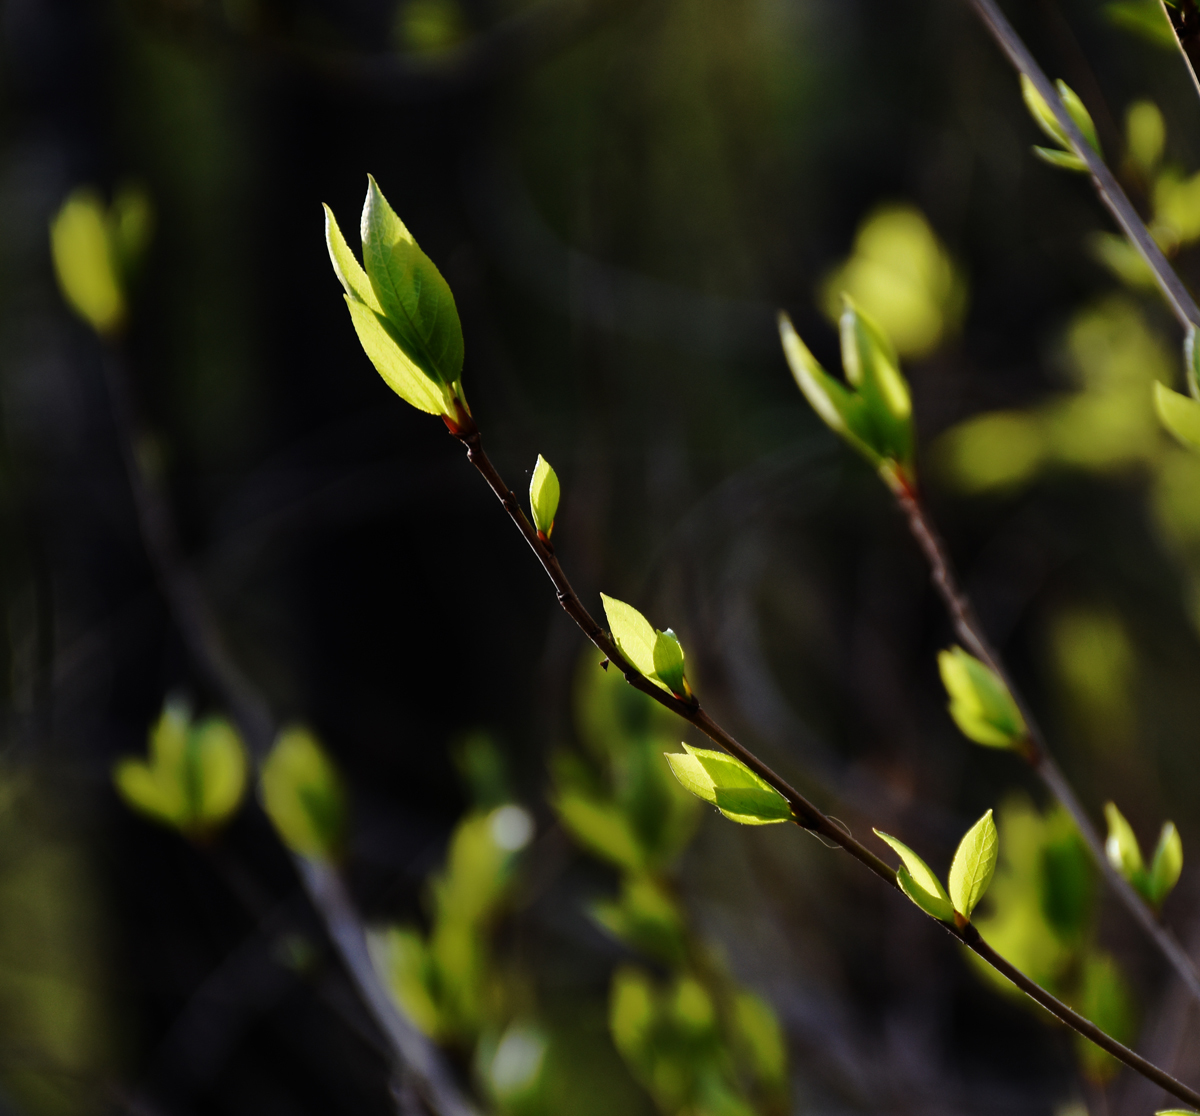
[969, 630]
[417, 1060]
[804, 813]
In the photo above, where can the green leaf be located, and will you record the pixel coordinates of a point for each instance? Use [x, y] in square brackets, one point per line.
[645, 918]
[601, 828]
[1046, 120]
[918, 881]
[1122, 848]
[1179, 414]
[393, 363]
[1146, 134]
[350, 274]
[303, 795]
[973, 865]
[543, 496]
[1063, 160]
[1079, 114]
[219, 761]
[1166, 864]
[631, 1013]
[412, 294]
[724, 781]
[1191, 360]
[761, 1036]
[402, 957]
[1041, 113]
[646, 648]
[84, 261]
[1175, 1112]
[980, 703]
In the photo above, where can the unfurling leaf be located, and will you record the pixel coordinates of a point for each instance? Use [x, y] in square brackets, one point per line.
[980, 703]
[94, 249]
[303, 795]
[1179, 414]
[1122, 848]
[655, 655]
[402, 309]
[729, 785]
[1066, 158]
[919, 883]
[973, 865]
[1165, 865]
[543, 497]
[194, 777]
[874, 414]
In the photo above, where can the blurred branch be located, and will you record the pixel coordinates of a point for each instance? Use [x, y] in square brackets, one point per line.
[969, 630]
[415, 1056]
[804, 813]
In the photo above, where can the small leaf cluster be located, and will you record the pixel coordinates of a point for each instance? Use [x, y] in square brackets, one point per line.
[194, 777]
[696, 1041]
[96, 250]
[304, 796]
[402, 309]
[872, 411]
[728, 784]
[970, 873]
[1124, 853]
[1064, 156]
[656, 655]
[980, 702]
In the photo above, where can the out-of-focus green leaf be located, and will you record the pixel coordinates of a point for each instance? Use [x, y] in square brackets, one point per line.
[646, 918]
[631, 1013]
[416, 300]
[973, 865]
[1063, 160]
[1179, 414]
[918, 881]
[1064, 878]
[1165, 866]
[482, 766]
[1079, 114]
[1144, 18]
[1066, 157]
[1191, 362]
[980, 703]
[513, 1069]
[601, 828]
[1105, 999]
[303, 795]
[723, 780]
[1122, 848]
[83, 261]
[645, 647]
[762, 1038]
[401, 957]
[1146, 134]
[543, 497]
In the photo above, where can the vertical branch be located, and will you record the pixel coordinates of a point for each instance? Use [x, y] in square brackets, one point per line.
[416, 1059]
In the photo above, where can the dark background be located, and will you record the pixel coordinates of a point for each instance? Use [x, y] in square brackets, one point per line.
[620, 193]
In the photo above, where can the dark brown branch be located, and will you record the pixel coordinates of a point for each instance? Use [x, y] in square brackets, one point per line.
[805, 814]
[415, 1056]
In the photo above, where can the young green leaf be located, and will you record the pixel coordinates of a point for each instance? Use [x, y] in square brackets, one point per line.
[1165, 866]
[918, 881]
[543, 497]
[1122, 848]
[84, 262]
[973, 865]
[1175, 1112]
[1191, 361]
[1066, 158]
[727, 783]
[1146, 135]
[1179, 414]
[303, 795]
[414, 297]
[980, 703]
[646, 648]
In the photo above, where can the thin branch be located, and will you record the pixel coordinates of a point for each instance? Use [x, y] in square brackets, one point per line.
[1111, 194]
[805, 814]
[416, 1058]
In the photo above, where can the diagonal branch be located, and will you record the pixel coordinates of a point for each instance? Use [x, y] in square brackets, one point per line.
[804, 813]
[416, 1058]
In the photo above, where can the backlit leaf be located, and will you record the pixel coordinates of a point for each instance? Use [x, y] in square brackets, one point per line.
[980, 703]
[1166, 864]
[1122, 848]
[724, 781]
[84, 263]
[1179, 414]
[393, 363]
[973, 865]
[543, 496]
[646, 648]
[918, 881]
[601, 828]
[303, 795]
[668, 661]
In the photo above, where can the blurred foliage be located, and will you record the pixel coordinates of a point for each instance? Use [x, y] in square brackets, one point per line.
[303, 794]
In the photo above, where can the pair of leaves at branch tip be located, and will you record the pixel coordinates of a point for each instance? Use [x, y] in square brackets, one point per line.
[980, 702]
[543, 497]
[1125, 855]
[194, 777]
[728, 784]
[402, 309]
[873, 415]
[970, 872]
[1177, 412]
[303, 795]
[1065, 157]
[95, 249]
[655, 655]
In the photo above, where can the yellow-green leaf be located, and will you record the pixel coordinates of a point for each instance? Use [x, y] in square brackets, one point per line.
[303, 795]
[1179, 414]
[724, 781]
[918, 881]
[393, 363]
[973, 865]
[1166, 864]
[1124, 853]
[348, 270]
[543, 496]
[760, 1034]
[980, 703]
[220, 762]
[668, 662]
[414, 297]
[84, 262]
[601, 828]
[645, 647]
